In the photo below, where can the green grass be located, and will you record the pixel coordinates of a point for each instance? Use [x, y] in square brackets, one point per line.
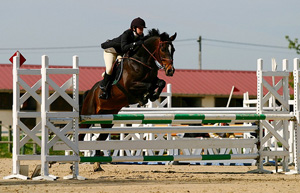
[27, 150]
[4, 152]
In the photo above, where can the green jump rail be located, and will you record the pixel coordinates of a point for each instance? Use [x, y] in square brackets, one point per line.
[179, 118]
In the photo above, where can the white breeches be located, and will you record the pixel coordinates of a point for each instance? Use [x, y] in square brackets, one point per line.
[109, 59]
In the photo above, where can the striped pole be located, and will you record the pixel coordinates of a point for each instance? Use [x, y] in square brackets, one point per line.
[179, 118]
[167, 158]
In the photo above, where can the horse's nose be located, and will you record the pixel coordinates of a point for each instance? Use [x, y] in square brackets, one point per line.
[170, 72]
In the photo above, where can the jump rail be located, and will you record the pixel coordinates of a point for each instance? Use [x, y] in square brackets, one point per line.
[180, 118]
[168, 158]
[195, 110]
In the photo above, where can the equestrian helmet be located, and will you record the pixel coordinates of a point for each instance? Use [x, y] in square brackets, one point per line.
[138, 22]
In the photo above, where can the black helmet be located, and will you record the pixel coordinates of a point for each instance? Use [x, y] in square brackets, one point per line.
[138, 22]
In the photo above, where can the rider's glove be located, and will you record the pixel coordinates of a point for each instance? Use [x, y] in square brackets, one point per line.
[138, 43]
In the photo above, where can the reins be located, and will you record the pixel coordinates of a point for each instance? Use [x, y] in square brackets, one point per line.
[131, 58]
[152, 55]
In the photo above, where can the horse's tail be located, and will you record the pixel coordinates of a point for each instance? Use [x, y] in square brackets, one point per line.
[82, 100]
[81, 136]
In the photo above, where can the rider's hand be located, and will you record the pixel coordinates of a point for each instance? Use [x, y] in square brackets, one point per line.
[138, 43]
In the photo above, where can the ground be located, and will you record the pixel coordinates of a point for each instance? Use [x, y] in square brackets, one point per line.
[152, 178]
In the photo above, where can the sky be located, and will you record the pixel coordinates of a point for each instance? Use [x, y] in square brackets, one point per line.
[234, 33]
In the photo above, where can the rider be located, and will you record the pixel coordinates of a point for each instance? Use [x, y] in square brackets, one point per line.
[127, 41]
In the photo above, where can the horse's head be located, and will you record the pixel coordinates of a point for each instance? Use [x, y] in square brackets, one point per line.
[165, 53]
[161, 49]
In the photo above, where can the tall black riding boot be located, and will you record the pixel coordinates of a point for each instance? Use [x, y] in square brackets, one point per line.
[105, 86]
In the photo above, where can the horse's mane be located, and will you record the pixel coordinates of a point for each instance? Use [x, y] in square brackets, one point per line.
[155, 33]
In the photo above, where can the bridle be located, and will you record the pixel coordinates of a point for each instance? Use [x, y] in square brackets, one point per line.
[159, 59]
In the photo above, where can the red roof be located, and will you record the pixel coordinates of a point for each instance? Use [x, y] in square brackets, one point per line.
[212, 82]
[184, 82]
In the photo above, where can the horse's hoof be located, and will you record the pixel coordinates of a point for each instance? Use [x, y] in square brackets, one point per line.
[154, 97]
[143, 102]
[71, 169]
[51, 163]
[98, 168]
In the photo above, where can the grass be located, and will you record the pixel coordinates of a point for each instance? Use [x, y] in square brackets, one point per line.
[28, 149]
[4, 149]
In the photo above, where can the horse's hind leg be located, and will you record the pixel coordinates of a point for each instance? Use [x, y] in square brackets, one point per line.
[102, 137]
[81, 136]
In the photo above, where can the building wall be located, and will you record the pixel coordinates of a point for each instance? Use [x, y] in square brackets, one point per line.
[208, 101]
[6, 118]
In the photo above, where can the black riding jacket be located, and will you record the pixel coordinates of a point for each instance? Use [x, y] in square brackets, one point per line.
[123, 43]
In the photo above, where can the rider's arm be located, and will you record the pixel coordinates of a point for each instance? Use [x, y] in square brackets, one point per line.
[127, 41]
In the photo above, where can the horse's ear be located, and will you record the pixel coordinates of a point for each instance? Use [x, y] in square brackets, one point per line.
[172, 38]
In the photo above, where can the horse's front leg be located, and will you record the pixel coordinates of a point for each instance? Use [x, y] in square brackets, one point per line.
[160, 85]
[141, 91]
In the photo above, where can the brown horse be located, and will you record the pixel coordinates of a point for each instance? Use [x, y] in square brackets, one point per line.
[139, 81]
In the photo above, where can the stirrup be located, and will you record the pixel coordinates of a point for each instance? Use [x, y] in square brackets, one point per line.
[105, 86]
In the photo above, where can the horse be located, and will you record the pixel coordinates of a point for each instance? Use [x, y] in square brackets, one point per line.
[138, 81]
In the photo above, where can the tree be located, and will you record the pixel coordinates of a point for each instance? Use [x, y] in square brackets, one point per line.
[293, 44]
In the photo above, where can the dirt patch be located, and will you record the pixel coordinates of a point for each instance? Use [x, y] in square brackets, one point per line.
[152, 178]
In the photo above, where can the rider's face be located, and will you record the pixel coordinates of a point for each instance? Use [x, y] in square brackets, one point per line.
[139, 30]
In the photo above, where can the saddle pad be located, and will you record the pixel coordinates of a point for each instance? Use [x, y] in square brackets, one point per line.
[117, 71]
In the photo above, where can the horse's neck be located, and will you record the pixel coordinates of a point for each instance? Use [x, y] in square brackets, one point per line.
[144, 54]
[143, 63]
